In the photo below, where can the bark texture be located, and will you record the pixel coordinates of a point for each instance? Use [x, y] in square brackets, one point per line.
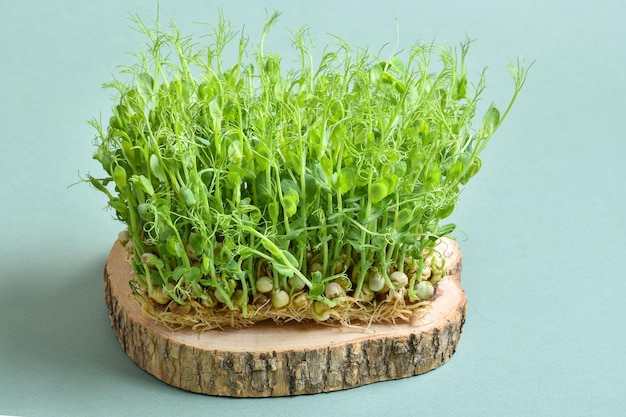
[290, 359]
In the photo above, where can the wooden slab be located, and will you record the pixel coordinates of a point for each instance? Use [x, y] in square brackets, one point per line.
[269, 359]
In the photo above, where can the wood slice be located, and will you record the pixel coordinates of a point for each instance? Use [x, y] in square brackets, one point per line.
[271, 359]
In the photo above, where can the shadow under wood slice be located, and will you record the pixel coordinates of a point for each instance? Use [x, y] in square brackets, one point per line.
[269, 359]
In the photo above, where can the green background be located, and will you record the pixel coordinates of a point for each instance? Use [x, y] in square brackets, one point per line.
[542, 225]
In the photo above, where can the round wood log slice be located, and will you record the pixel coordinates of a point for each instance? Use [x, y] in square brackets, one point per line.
[269, 359]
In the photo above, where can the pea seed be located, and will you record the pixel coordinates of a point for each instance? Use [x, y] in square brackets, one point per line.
[180, 309]
[426, 272]
[376, 282]
[123, 237]
[399, 279]
[237, 297]
[345, 282]
[425, 290]
[260, 299]
[158, 295]
[320, 311]
[299, 300]
[209, 300]
[366, 294]
[280, 299]
[264, 284]
[146, 257]
[296, 283]
[333, 290]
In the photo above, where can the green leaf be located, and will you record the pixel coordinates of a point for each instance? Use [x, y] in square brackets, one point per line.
[292, 259]
[403, 218]
[376, 72]
[461, 88]
[156, 262]
[327, 166]
[378, 190]
[400, 169]
[119, 206]
[99, 185]
[263, 188]
[193, 274]
[290, 205]
[234, 153]
[282, 269]
[290, 188]
[190, 199]
[273, 210]
[231, 267]
[196, 242]
[261, 156]
[410, 99]
[233, 179]
[145, 183]
[316, 277]
[294, 234]
[433, 177]
[346, 179]
[179, 272]
[336, 112]
[491, 120]
[215, 110]
[175, 248]
[145, 86]
[312, 188]
[455, 171]
[471, 171]
[317, 290]
[392, 182]
[156, 168]
[119, 176]
[446, 229]
[396, 64]
[293, 161]
[445, 211]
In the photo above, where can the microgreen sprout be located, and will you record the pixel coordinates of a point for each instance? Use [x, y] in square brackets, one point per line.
[253, 191]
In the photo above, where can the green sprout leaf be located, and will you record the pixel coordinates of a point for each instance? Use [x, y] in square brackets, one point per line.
[144, 183]
[119, 177]
[345, 181]
[397, 65]
[145, 86]
[156, 169]
[404, 217]
[491, 121]
[379, 189]
[290, 205]
[188, 196]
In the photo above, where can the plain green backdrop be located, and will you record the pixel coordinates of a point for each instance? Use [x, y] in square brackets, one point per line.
[542, 227]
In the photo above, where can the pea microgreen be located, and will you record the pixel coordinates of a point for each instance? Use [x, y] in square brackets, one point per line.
[247, 183]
